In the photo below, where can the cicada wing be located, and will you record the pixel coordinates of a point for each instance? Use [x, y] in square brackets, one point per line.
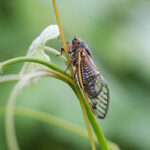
[95, 86]
[100, 103]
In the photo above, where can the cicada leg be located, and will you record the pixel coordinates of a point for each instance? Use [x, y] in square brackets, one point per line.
[75, 72]
[69, 47]
[68, 66]
[62, 51]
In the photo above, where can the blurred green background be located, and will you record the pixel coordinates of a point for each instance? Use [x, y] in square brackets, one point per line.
[118, 34]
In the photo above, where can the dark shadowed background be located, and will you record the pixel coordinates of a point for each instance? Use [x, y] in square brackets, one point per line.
[118, 34]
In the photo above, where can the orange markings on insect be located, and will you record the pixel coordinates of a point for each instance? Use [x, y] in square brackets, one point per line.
[84, 53]
[78, 41]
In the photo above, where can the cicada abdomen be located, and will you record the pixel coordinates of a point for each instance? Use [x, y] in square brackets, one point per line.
[94, 85]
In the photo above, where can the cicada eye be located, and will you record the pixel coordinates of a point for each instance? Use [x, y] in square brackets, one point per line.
[78, 41]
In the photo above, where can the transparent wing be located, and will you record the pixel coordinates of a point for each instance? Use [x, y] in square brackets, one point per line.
[95, 86]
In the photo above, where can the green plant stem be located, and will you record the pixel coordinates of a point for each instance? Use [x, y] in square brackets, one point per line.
[7, 78]
[31, 59]
[54, 121]
[62, 36]
[94, 123]
[55, 52]
[72, 72]
[88, 125]
[49, 119]
[9, 119]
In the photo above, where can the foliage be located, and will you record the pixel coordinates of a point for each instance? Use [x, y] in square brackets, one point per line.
[117, 33]
[31, 72]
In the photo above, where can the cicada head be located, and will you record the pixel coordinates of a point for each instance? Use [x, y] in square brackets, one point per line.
[76, 43]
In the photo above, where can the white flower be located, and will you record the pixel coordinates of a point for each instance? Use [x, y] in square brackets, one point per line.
[36, 50]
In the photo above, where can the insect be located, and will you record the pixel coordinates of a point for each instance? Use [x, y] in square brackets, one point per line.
[90, 80]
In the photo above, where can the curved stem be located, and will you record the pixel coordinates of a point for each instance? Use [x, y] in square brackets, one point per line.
[31, 59]
[72, 73]
[54, 121]
[88, 125]
[55, 52]
[9, 119]
[7, 78]
[49, 119]
[101, 139]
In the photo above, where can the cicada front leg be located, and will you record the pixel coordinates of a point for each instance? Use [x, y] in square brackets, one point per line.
[76, 70]
[68, 66]
[69, 48]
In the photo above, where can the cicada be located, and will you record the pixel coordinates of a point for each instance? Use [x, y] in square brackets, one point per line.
[90, 80]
